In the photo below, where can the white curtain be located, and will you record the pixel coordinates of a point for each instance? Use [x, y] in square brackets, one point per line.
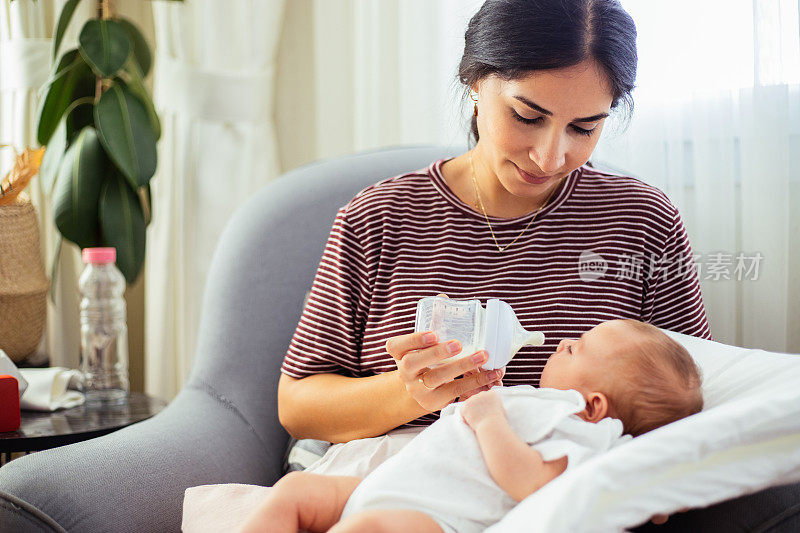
[385, 73]
[717, 127]
[214, 87]
[26, 30]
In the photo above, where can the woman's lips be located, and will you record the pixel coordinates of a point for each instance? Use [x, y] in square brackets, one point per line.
[530, 178]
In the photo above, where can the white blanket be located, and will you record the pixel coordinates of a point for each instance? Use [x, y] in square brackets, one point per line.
[442, 471]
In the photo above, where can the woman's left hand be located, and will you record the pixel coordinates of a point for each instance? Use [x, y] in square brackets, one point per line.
[481, 407]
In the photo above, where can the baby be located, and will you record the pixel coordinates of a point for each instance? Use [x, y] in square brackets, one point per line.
[465, 471]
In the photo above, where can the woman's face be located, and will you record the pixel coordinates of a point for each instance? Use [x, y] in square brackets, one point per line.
[546, 124]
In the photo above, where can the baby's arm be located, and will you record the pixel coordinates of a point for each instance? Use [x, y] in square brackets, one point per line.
[518, 469]
[302, 501]
[515, 466]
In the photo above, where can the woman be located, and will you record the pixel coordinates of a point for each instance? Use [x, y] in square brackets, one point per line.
[520, 217]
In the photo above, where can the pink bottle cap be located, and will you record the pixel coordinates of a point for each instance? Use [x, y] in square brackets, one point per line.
[99, 255]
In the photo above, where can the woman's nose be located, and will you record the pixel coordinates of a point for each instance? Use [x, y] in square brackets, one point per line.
[549, 155]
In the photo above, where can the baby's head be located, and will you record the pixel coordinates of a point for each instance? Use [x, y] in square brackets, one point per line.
[628, 370]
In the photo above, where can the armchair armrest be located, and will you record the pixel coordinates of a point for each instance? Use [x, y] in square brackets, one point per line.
[134, 479]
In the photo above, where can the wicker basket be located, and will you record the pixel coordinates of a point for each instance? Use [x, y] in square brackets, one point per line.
[23, 283]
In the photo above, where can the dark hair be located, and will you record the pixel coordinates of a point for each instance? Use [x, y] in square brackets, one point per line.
[510, 38]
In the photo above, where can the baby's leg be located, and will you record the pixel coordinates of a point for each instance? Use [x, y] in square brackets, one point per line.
[302, 501]
[387, 521]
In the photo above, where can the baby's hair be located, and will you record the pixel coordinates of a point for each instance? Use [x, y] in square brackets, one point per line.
[662, 383]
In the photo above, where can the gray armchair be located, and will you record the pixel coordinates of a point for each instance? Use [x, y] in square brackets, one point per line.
[223, 426]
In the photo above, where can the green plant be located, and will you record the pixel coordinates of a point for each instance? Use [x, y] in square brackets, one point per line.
[100, 128]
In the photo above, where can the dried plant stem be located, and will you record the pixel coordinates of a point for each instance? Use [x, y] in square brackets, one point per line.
[26, 166]
[103, 9]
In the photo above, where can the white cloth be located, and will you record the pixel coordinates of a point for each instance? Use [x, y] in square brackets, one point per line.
[221, 507]
[442, 471]
[7, 367]
[49, 389]
[361, 456]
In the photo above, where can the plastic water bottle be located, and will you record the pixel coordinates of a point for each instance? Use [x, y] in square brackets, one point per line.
[104, 333]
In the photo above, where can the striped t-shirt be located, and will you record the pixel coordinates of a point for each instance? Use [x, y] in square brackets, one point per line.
[606, 247]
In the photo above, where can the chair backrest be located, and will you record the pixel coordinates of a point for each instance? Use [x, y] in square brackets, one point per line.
[263, 266]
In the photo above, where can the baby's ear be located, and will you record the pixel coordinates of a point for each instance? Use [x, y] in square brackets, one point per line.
[596, 407]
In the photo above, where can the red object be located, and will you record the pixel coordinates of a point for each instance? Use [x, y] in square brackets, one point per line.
[99, 255]
[9, 404]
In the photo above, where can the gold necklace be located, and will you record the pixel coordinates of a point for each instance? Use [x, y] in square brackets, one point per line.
[478, 195]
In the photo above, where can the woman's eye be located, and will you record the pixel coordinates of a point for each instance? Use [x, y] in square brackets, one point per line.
[582, 131]
[569, 348]
[576, 129]
[525, 120]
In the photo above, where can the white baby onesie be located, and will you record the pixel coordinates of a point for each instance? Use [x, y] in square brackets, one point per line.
[442, 473]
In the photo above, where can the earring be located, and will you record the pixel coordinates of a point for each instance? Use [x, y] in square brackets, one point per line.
[474, 99]
[475, 113]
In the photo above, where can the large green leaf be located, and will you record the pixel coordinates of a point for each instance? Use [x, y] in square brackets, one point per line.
[70, 125]
[141, 50]
[72, 79]
[78, 118]
[77, 190]
[123, 226]
[53, 155]
[63, 22]
[126, 134]
[135, 82]
[66, 61]
[105, 46]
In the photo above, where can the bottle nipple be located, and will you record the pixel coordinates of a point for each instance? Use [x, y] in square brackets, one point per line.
[523, 337]
[505, 335]
[535, 338]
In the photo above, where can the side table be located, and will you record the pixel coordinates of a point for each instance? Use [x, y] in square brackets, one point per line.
[42, 430]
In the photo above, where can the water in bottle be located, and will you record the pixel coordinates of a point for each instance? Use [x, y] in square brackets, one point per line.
[104, 333]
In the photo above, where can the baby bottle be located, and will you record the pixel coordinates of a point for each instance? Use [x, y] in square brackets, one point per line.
[494, 329]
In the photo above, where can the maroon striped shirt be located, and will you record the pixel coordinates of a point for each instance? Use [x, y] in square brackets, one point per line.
[410, 236]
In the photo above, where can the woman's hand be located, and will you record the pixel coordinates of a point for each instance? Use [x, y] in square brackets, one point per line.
[482, 406]
[414, 355]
